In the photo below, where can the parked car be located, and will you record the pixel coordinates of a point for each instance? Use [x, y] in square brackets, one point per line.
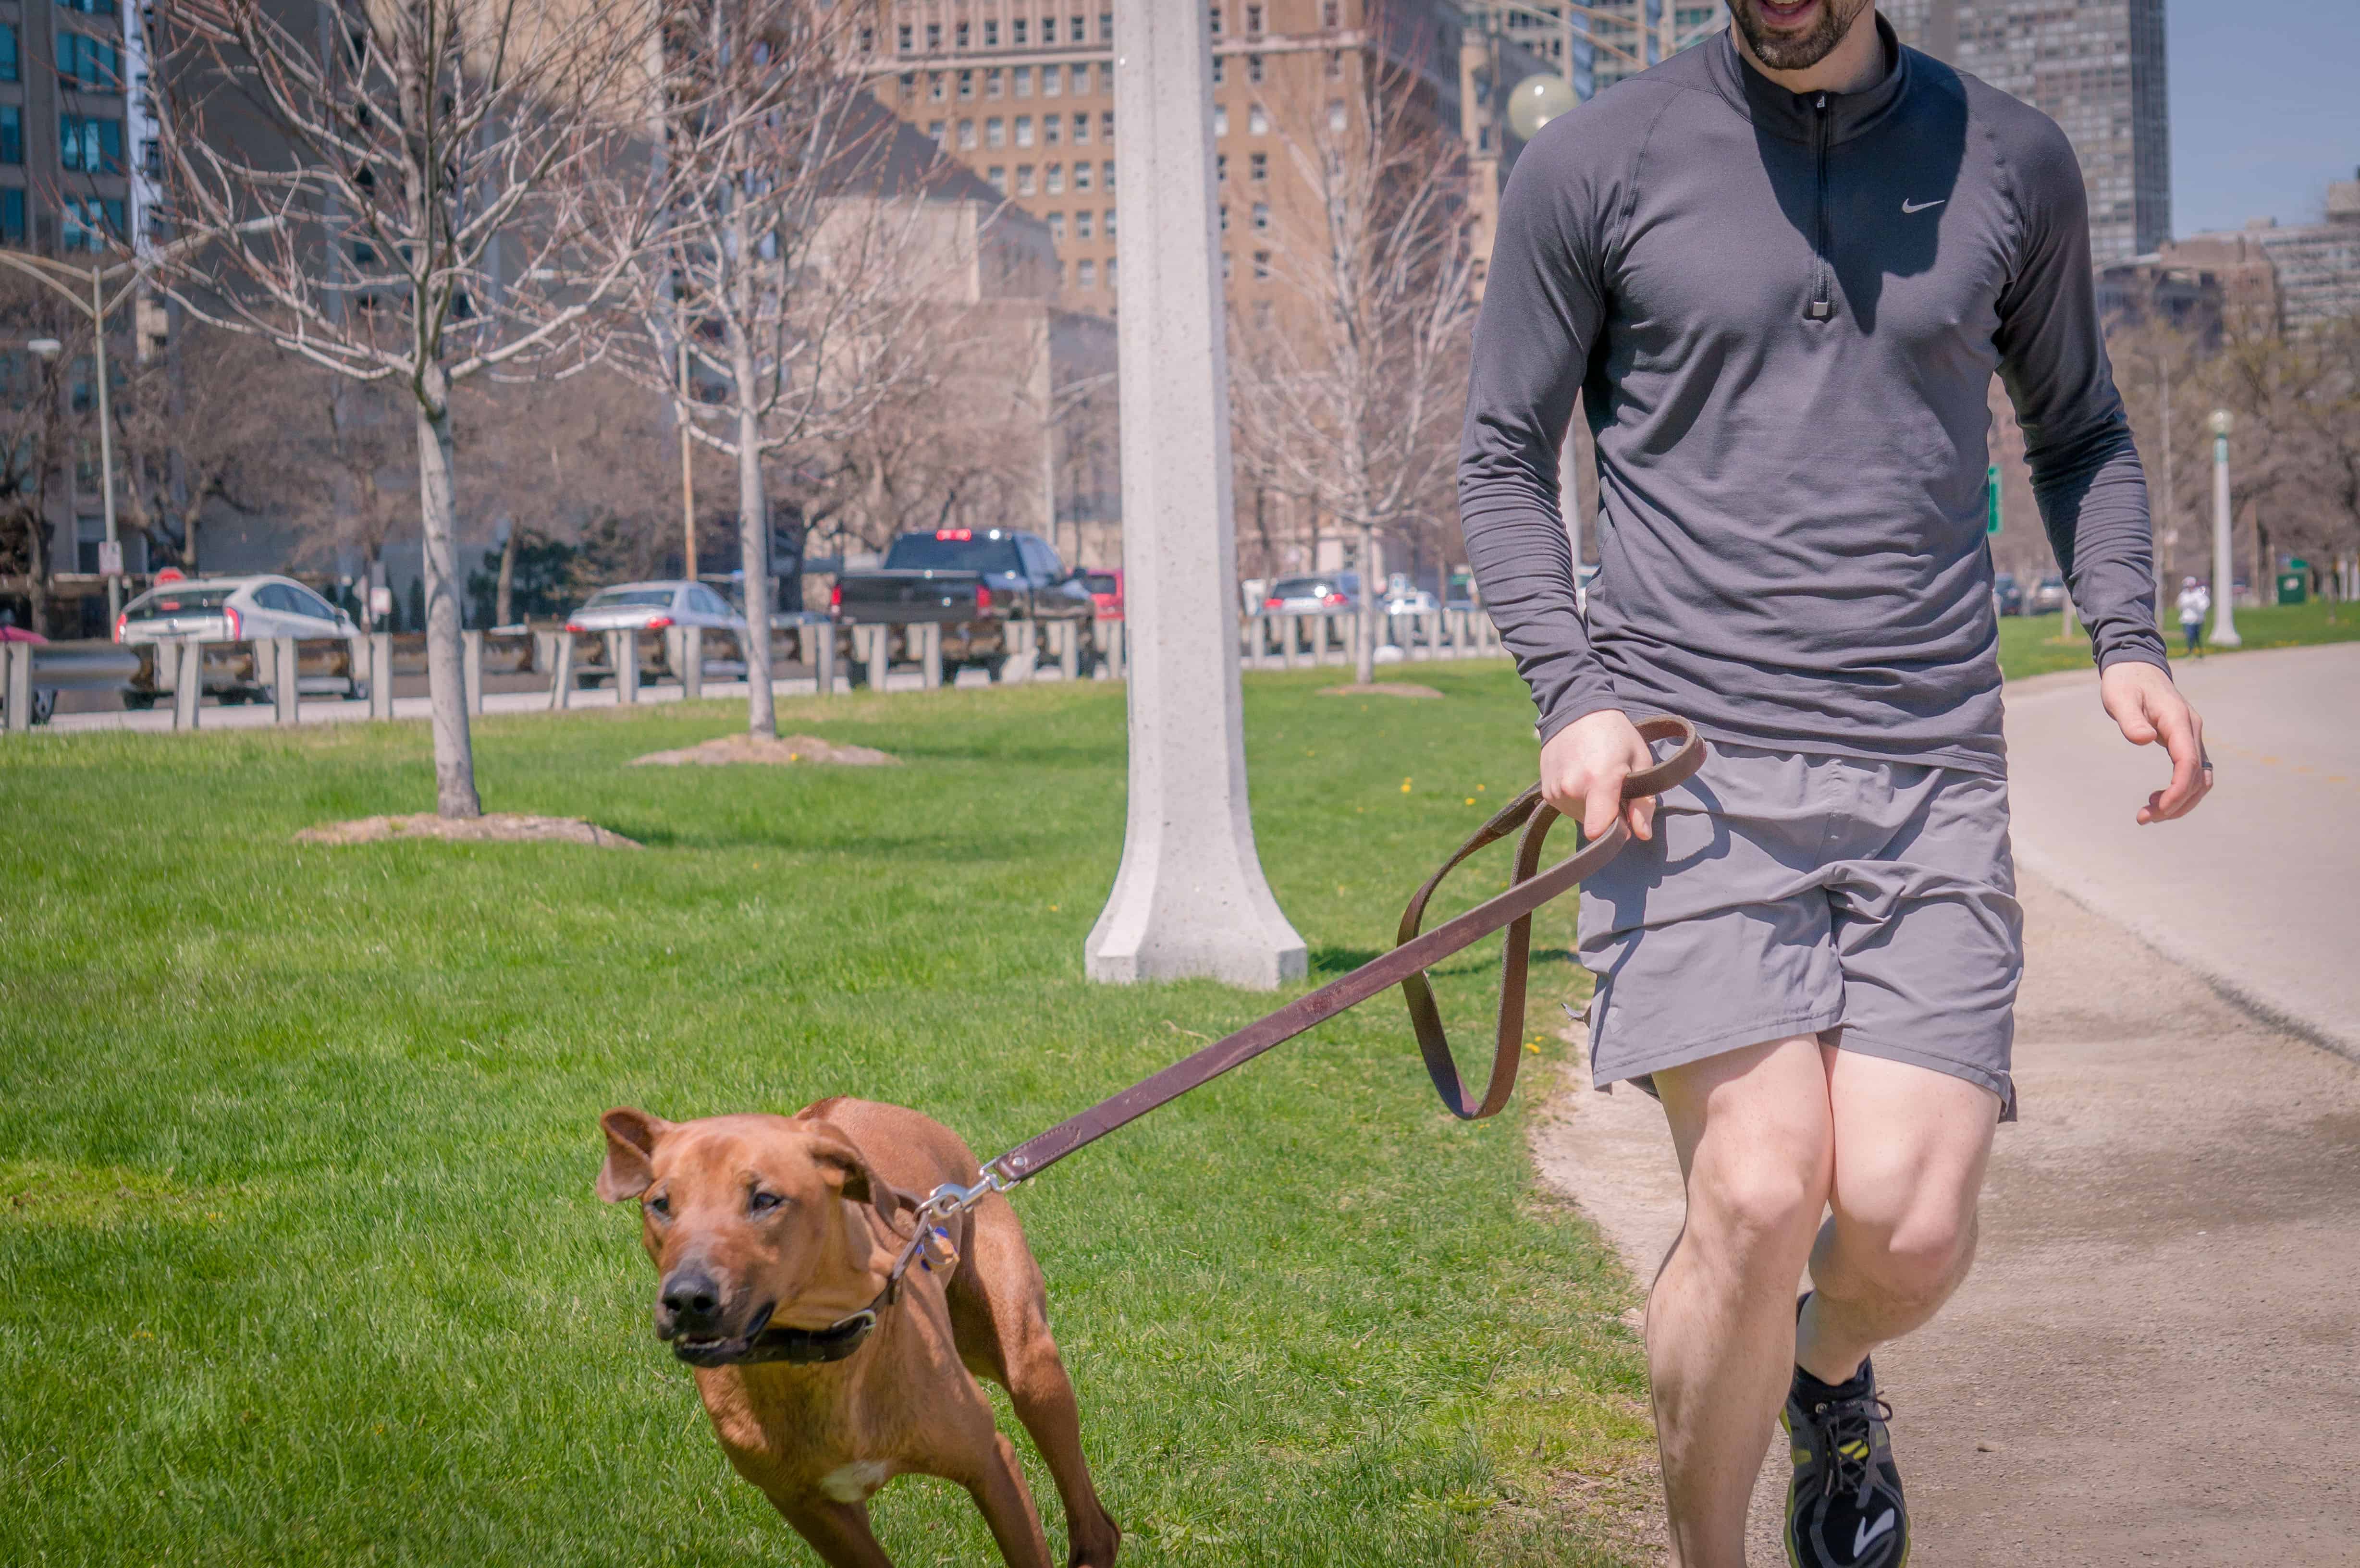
[649, 610]
[1106, 594]
[1313, 594]
[973, 582]
[2047, 596]
[240, 609]
[2007, 594]
[1416, 602]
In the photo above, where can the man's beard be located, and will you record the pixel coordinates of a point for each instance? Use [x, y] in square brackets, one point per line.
[1790, 51]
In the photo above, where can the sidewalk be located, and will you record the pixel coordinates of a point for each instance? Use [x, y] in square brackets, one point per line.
[2154, 1361]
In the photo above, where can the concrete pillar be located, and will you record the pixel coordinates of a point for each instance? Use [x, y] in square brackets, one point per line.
[930, 655]
[1290, 640]
[17, 660]
[1190, 897]
[471, 670]
[879, 657]
[626, 665]
[1069, 649]
[1023, 652]
[560, 671]
[285, 698]
[189, 690]
[1114, 639]
[822, 658]
[380, 675]
[692, 663]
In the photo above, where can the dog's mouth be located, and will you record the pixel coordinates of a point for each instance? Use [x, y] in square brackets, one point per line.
[719, 1350]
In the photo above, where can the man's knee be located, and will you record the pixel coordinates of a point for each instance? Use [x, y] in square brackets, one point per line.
[1917, 1260]
[1760, 1208]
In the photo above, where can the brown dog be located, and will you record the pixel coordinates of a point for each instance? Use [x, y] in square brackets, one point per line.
[772, 1238]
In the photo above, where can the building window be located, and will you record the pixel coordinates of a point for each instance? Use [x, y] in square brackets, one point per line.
[12, 215]
[1106, 36]
[909, 85]
[1023, 137]
[1088, 273]
[1048, 29]
[995, 133]
[1216, 10]
[1024, 184]
[1016, 32]
[1253, 69]
[1024, 82]
[7, 53]
[1335, 65]
[1224, 211]
[1220, 119]
[904, 39]
[991, 33]
[936, 87]
[1111, 279]
[88, 145]
[991, 83]
[1054, 179]
[1259, 164]
[966, 85]
[1082, 224]
[1336, 114]
[1220, 168]
[1057, 220]
[1220, 71]
[1052, 128]
[1082, 82]
[1262, 267]
[12, 135]
[1228, 270]
[933, 37]
[1254, 21]
[1107, 227]
[934, 131]
[86, 223]
[868, 40]
[88, 63]
[1081, 130]
[1258, 121]
[1261, 216]
[966, 135]
[961, 34]
[1331, 13]
[1106, 129]
[996, 177]
[1109, 166]
[1081, 177]
[1053, 81]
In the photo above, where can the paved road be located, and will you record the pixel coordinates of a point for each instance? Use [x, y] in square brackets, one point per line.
[2259, 891]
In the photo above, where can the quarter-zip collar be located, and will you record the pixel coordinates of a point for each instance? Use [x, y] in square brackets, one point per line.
[1795, 116]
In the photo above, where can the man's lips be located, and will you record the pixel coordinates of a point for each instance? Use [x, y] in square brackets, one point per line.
[1784, 16]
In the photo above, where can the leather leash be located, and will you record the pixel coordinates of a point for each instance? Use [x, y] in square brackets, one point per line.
[1405, 967]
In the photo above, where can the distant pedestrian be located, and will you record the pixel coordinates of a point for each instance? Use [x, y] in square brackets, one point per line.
[2195, 603]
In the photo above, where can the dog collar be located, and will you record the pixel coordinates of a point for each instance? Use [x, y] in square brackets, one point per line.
[811, 1346]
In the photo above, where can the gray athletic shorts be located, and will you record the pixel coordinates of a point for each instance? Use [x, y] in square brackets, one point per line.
[1787, 894]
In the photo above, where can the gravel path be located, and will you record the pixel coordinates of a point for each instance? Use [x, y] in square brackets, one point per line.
[2154, 1361]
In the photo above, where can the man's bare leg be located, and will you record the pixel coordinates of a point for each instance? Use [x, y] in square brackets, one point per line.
[1910, 1147]
[1756, 1144]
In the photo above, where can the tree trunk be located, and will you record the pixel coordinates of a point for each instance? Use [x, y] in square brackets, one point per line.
[446, 694]
[37, 563]
[754, 552]
[503, 601]
[1365, 659]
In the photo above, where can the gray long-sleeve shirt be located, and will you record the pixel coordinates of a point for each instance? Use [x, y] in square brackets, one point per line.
[1783, 314]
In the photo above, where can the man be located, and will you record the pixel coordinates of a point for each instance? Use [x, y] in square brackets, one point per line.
[2195, 603]
[1781, 269]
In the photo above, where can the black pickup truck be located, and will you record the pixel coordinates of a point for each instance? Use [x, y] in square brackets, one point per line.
[970, 582]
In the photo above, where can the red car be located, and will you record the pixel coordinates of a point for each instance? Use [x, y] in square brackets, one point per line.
[1106, 594]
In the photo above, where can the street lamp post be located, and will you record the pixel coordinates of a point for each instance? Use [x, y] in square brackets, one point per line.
[2224, 579]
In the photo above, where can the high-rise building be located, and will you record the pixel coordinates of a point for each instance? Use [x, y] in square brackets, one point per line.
[64, 156]
[1597, 44]
[2096, 67]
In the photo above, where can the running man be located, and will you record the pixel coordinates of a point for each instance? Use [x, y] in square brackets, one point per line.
[2195, 603]
[1780, 270]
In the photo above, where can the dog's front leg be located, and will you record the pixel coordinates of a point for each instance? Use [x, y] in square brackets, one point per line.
[840, 1532]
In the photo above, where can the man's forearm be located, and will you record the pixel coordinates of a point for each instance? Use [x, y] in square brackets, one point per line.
[1523, 567]
[2093, 501]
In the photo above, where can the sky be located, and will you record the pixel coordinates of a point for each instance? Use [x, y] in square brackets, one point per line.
[2265, 108]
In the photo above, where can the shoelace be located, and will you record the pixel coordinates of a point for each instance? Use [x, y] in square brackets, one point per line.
[1843, 1423]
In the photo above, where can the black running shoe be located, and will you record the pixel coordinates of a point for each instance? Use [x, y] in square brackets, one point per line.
[1844, 1507]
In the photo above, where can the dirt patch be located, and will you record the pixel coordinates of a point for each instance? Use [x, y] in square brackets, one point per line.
[494, 827]
[784, 752]
[1381, 689]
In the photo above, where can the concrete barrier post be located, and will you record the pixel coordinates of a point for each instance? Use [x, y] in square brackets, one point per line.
[560, 670]
[189, 689]
[285, 698]
[626, 666]
[823, 659]
[1117, 646]
[692, 663]
[471, 668]
[879, 657]
[380, 675]
[1069, 649]
[930, 655]
[17, 660]
[1023, 652]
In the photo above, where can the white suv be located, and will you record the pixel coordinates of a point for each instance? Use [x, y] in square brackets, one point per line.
[241, 609]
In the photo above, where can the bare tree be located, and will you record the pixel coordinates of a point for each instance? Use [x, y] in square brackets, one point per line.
[785, 266]
[392, 197]
[1349, 404]
[206, 422]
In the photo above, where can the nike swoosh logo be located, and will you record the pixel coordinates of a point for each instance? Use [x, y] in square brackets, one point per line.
[1909, 206]
[1865, 1532]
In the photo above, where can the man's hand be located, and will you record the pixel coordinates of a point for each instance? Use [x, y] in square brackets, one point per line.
[1582, 770]
[2143, 700]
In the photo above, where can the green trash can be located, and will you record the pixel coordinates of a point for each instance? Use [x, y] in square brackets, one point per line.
[2294, 582]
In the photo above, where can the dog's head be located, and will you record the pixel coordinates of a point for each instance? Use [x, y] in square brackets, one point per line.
[749, 1219]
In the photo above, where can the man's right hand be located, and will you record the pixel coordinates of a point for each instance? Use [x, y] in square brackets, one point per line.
[1582, 770]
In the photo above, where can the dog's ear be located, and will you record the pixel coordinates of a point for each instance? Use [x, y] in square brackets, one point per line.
[630, 1144]
[838, 1157]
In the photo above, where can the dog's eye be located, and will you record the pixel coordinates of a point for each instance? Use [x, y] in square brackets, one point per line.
[763, 1202]
[659, 1205]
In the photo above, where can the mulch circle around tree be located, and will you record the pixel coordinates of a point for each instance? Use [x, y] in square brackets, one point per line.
[493, 827]
[1381, 689]
[787, 751]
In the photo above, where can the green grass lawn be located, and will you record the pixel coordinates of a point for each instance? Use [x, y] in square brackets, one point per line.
[298, 1258]
[2036, 645]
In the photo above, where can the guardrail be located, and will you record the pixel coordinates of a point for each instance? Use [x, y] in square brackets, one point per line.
[1282, 639]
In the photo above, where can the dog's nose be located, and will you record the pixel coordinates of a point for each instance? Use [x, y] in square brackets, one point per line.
[689, 1301]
